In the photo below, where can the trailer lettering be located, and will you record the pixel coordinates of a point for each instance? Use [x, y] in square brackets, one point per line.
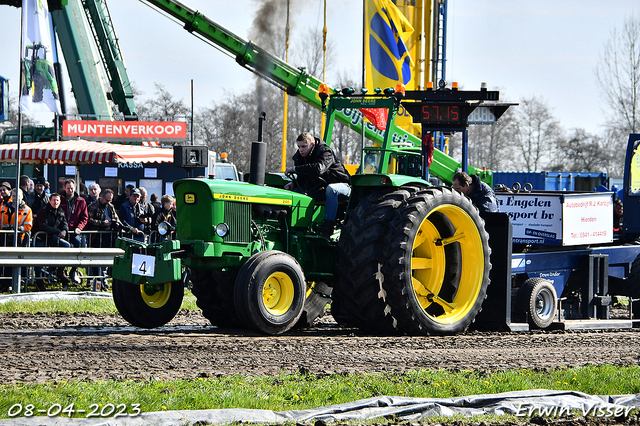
[517, 215]
[526, 203]
[546, 215]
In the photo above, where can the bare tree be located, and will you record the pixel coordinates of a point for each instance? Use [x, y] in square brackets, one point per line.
[583, 152]
[490, 146]
[163, 105]
[536, 134]
[618, 73]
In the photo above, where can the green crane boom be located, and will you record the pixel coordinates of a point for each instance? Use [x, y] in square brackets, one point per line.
[295, 81]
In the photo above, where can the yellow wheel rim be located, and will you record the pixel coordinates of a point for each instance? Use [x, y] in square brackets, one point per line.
[428, 265]
[155, 296]
[277, 293]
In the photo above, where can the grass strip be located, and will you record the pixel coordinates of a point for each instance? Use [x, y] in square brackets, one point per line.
[304, 391]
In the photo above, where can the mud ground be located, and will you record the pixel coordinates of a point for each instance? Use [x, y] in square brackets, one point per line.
[39, 348]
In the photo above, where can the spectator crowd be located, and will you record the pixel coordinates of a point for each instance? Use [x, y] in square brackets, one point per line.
[68, 218]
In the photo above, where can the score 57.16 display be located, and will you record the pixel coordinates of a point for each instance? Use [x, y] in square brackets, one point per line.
[438, 115]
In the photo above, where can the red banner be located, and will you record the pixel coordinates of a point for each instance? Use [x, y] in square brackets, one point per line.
[126, 130]
[376, 116]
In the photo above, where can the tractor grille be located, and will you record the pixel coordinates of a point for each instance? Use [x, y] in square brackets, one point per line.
[238, 217]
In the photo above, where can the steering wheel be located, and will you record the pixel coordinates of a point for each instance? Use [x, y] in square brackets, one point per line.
[293, 178]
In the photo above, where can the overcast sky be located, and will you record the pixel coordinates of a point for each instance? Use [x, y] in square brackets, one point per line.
[548, 49]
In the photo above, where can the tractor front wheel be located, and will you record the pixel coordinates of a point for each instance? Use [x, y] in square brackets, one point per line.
[270, 292]
[148, 306]
[436, 263]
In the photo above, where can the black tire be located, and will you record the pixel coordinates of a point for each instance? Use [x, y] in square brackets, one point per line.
[214, 296]
[314, 303]
[119, 298]
[269, 292]
[148, 306]
[538, 301]
[434, 286]
[359, 298]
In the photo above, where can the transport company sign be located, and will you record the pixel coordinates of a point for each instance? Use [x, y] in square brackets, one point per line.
[559, 218]
[125, 130]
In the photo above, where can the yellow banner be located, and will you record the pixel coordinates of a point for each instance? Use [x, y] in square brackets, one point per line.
[391, 44]
[387, 57]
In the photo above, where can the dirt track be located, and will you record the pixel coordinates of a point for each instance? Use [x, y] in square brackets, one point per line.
[38, 348]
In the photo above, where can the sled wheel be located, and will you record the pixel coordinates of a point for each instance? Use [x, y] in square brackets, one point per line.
[437, 263]
[148, 306]
[214, 296]
[315, 301]
[269, 292]
[538, 300]
[359, 299]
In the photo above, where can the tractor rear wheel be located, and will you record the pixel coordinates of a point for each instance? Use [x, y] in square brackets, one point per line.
[537, 299]
[436, 263]
[359, 294]
[269, 292]
[214, 296]
[148, 306]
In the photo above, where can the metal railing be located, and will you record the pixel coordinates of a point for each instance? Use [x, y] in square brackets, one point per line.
[34, 253]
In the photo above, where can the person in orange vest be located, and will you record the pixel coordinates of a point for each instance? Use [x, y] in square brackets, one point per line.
[7, 221]
[25, 216]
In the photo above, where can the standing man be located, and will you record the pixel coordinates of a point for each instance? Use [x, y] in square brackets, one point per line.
[75, 210]
[147, 211]
[40, 196]
[321, 175]
[480, 194]
[129, 213]
[17, 205]
[93, 195]
[120, 199]
[53, 222]
[102, 217]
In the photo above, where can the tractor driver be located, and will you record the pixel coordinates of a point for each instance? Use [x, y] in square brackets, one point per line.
[321, 176]
[480, 194]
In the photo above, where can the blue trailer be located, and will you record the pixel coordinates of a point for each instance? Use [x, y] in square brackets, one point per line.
[551, 181]
[557, 262]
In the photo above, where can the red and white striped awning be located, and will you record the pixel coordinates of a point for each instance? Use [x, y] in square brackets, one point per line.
[83, 152]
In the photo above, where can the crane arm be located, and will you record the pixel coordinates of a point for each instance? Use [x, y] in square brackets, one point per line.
[296, 81]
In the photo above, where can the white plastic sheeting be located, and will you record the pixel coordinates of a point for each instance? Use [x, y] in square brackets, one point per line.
[538, 402]
[51, 295]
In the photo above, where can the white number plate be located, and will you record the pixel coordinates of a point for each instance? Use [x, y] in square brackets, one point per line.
[143, 265]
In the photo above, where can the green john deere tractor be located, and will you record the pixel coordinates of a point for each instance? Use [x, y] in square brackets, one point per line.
[406, 257]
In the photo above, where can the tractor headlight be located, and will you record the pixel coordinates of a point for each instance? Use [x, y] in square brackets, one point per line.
[164, 228]
[222, 230]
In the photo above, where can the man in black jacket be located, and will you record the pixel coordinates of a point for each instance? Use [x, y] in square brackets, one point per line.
[53, 221]
[321, 175]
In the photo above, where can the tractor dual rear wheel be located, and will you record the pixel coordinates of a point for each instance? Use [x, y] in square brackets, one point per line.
[437, 263]
[359, 298]
[148, 306]
[214, 296]
[270, 292]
